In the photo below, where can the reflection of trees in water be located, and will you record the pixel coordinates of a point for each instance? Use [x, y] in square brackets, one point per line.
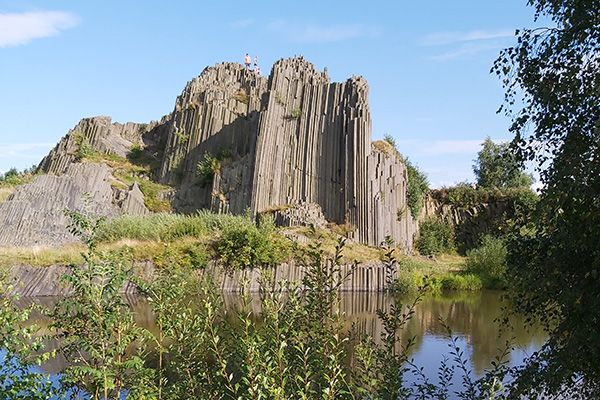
[473, 316]
[470, 315]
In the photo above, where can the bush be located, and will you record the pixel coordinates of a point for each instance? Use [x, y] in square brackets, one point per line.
[435, 236]
[470, 282]
[242, 246]
[489, 260]
[13, 177]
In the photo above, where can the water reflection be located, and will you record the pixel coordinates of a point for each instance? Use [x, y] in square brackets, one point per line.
[472, 317]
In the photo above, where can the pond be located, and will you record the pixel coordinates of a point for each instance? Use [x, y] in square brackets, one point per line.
[472, 318]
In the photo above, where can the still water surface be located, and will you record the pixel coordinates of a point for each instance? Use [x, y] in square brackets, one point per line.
[472, 317]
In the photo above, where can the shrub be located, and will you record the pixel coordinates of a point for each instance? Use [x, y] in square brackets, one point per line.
[451, 281]
[435, 236]
[488, 260]
[242, 246]
[13, 177]
[296, 113]
[407, 282]
[211, 165]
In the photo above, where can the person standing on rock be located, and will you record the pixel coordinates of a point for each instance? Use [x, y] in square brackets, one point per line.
[247, 61]
[256, 67]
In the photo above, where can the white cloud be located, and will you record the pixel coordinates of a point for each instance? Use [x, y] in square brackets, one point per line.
[445, 38]
[312, 33]
[241, 23]
[28, 151]
[21, 28]
[461, 44]
[466, 49]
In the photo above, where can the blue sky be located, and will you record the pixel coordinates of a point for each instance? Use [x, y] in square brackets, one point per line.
[427, 63]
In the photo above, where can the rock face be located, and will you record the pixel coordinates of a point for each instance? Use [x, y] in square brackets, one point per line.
[98, 133]
[294, 138]
[34, 213]
[263, 143]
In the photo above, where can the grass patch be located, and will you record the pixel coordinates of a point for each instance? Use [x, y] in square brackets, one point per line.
[489, 261]
[447, 273]
[41, 256]
[5, 192]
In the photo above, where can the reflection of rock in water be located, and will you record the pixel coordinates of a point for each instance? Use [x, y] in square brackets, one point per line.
[469, 315]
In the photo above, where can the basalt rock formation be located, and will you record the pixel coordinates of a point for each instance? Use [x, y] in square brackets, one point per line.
[237, 141]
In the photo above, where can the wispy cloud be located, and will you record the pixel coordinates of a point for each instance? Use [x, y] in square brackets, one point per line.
[28, 151]
[466, 49]
[459, 44]
[313, 33]
[21, 28]
[445, 38]
[241, 23]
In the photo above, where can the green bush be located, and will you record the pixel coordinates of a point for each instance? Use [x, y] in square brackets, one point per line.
[242, 246]
[470, 282]
[435, 236]
[488, 260]
[406, 283]
[13, 177]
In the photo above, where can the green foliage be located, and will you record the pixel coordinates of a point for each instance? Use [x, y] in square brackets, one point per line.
[435, 236]
[211, 165]
[21, 352]
[135, 153]
[189, 255]
[416, 189]
[489, 261]
[391, 141]
[498, 167]
[487, 211]
[293, 345]
[166, 227]
[95, 327]
[295, 113]
[242, 246]
[466, 282]
[83, 148]
[182, 136]
[417, 185]
[13, 177]
[553, 96]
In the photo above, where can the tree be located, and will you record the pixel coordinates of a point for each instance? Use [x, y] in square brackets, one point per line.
[552, 82]
[496, 166]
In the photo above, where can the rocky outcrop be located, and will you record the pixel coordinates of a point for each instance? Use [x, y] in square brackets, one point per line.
[34, 213]
[303, 214]
[294, 138]
[98, 134]
[469, 223]
[264, 143]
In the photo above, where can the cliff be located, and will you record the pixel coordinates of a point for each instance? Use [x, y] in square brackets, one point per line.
[263, 144]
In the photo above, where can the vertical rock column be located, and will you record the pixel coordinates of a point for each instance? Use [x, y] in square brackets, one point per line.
[312, 142]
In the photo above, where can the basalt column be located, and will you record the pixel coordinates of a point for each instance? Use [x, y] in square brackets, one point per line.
[312, 144]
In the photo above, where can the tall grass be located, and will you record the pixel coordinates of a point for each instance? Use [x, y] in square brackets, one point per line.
[489, 261]
[167, 227]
